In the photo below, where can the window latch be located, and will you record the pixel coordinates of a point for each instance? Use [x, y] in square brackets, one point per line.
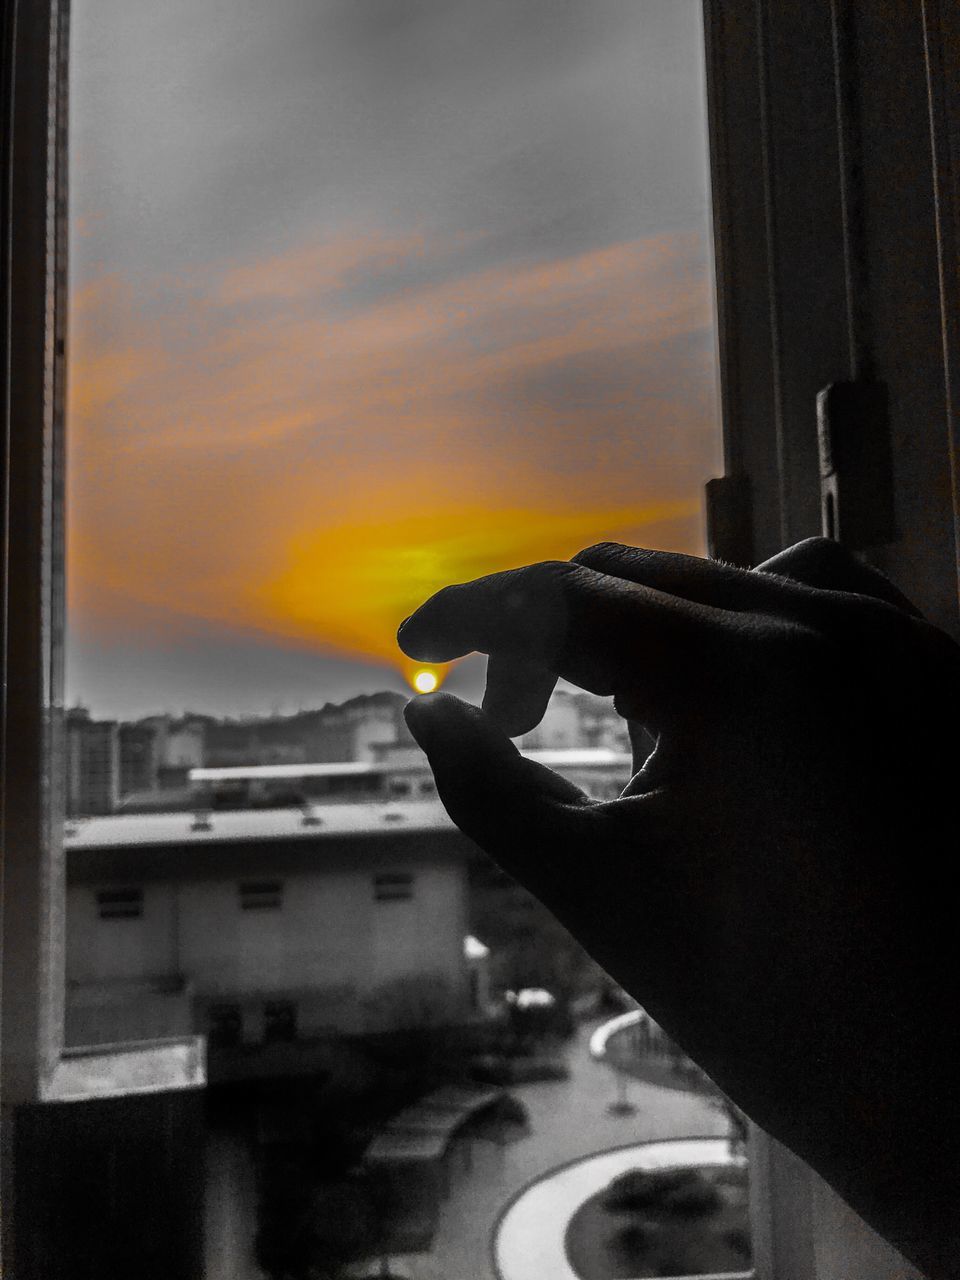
[729, 519]
[856, 470]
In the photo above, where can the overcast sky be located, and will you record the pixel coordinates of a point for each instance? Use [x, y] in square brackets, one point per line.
[369, 296]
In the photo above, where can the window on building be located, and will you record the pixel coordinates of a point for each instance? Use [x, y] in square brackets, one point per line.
[393, 887]
[261, 895]
[224, 1026]
[398, 787]
[279, 1021]
[119, 904]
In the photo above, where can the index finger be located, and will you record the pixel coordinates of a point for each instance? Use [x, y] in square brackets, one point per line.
[600, 632]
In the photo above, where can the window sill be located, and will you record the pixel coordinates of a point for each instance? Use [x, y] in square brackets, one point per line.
[120, 1070]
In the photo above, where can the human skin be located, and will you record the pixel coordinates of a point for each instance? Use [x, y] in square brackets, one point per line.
[774, 884]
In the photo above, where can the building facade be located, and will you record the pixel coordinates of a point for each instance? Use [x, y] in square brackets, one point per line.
[139, 758]
[255, 927]
[92, 764]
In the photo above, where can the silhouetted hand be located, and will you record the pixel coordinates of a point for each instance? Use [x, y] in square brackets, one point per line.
[774, 884]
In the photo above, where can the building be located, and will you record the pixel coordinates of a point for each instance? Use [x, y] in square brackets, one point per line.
[180, 746]
[92, 764]
[560, 726]
[139, 758]
[257, 927]
[348, 731]
[399, 771]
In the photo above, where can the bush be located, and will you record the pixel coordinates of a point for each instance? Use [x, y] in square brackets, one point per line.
[510, 1110]
[738, 1238]
[630, 1243]
[640, 1189]
[693, 1201]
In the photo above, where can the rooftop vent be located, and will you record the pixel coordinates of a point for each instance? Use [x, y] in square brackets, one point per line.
[309, 818]
[201, 821]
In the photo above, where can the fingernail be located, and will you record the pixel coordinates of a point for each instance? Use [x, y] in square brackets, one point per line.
[402, 625]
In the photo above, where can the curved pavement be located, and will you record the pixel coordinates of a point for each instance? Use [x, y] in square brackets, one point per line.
[529, 1240]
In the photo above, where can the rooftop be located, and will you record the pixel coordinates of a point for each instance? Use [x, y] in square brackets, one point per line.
[557, 758]
[315, 822]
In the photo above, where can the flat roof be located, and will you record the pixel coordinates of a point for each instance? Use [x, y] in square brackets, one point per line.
[315, 822]
[556, 758]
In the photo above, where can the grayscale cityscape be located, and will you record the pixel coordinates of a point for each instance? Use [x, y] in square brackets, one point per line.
[397, 1038]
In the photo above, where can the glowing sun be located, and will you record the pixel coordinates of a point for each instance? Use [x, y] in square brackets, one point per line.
[425, 681]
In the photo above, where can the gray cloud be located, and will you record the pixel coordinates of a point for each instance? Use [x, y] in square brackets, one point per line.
[209, 129]
[504, 132]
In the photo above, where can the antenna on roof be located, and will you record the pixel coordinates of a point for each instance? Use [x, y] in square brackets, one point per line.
[201, 820]
[309, 817]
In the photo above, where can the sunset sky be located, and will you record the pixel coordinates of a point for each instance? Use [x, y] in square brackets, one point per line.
[369, 296]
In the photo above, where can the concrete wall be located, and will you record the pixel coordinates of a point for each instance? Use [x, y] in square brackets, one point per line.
[802, 1230]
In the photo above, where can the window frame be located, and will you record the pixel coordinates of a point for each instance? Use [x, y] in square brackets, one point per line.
[768, 379]
[35, 1066]
[880, 189]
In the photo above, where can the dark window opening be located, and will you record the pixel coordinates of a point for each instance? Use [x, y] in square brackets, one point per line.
[120, 904]
[224, 1026]
[261, 895]
[393, 888]
[279, 1021]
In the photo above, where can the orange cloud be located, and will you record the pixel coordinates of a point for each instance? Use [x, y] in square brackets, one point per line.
[351, 586]
[308, 446]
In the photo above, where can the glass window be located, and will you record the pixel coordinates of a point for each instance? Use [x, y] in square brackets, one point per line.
[367, 298]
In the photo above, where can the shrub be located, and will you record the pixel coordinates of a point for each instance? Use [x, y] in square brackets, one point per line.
[695, 1200]
[738, 1238]
[640, 1189]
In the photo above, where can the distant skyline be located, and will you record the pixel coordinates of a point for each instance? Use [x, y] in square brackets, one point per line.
[369, 296]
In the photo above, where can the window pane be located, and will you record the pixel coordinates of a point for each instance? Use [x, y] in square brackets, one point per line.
[368, 297]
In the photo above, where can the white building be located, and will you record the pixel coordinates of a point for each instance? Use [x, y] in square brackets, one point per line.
[256, 926]
[399, 771]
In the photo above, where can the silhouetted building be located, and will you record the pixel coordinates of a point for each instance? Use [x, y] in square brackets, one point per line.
[139, 758]
[93, 764]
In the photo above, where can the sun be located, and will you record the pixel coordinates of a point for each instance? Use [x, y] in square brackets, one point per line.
[425, 681]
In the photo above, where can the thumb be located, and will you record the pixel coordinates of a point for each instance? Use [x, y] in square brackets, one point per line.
[526, 817]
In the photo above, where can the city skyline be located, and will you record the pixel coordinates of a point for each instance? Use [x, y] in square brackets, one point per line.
[346, 288]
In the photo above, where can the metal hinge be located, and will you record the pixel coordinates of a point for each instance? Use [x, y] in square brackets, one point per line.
[856, 471]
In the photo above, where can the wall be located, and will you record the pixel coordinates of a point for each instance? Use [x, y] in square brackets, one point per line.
[110, 950]
[331, 947]
[804, 1231]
